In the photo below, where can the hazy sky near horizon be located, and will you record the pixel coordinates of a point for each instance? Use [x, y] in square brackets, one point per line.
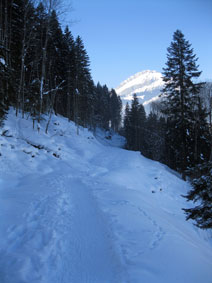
[123, 37]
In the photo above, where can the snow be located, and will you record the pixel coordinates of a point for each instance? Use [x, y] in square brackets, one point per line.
[147, 85]
[76, 208]
[2, 61]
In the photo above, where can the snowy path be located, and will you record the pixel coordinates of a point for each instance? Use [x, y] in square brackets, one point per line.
[78, 211]
[64, 238]
[144, 202]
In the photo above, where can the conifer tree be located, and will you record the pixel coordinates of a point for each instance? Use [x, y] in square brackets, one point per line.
[199, 146]
[97, 117]
[55, 71]
[202, 194]
[83, 84]
[102, 106]
[127, 124]
[137, 122]
[153, 139]
[135, 126]
[4, 83]
[22, 40]
[115, 110]
[68, 52]
[180, 95]
[6, 71]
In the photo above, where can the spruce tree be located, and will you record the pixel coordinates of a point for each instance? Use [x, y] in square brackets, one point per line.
[153, 139]
[84, 84]
[137, 122]
[180, 95]
[127, 125]
[102, 106]
[55, 71]
[115, 110]
[68, 53]
[4, 83]
[6, 70]
[201, 193]
[135, 126]
[199, 143]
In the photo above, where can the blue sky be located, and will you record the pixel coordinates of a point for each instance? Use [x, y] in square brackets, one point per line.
[123, 37]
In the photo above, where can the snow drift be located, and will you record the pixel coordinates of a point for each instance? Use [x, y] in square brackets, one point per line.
[77, 209]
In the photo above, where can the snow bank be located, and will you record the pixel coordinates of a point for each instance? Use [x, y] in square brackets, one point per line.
[75, 208]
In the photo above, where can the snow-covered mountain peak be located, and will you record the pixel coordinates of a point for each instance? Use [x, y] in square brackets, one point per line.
[146, 84]
[139, 78]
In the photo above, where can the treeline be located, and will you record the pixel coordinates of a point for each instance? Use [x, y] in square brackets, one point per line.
[144, 133]
[46, 70]
[177, 132]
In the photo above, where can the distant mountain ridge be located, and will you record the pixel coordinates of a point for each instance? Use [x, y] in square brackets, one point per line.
[146, 84]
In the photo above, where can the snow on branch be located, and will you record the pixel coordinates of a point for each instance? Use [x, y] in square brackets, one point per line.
[55, 89]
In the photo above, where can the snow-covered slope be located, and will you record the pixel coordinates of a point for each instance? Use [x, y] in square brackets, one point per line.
[147, 85]
[74, 209]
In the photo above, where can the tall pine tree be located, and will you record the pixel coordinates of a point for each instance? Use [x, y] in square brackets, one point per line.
[84, 84]
[180, 95]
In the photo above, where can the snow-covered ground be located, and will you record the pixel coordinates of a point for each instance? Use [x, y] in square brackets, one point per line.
[78, 209]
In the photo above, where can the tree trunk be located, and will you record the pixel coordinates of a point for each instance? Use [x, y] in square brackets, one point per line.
[43, 67]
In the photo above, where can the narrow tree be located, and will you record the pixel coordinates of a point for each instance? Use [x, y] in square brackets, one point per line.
[83, 84]
[115, 110]
[6, 71]
[70, 69]
[126, 128]
[180, 96]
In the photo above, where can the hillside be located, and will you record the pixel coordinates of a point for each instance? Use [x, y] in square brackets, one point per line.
[147, 86]
[79, 209]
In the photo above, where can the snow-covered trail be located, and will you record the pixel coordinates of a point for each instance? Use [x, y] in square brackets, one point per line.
[63, 236]
[143, 200]
[79, 211]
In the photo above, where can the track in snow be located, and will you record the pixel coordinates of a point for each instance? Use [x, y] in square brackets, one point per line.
[90, 215]
[63, 238]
